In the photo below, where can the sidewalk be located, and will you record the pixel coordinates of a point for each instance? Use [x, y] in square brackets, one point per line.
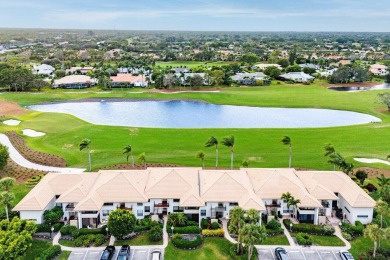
[225, 230]
[287, 234]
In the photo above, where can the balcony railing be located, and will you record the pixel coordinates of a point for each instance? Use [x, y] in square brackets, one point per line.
[123, 207]
[219, 209]
[69, 208]
[161, 205]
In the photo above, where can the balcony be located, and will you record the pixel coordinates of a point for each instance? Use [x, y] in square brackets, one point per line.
[161, 205]
[325, 204]
[219, 209]
[69, 207]
[123, 207]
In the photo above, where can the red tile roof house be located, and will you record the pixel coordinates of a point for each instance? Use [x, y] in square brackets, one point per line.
[136, 81]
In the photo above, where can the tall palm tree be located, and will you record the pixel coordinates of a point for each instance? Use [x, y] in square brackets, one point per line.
[6, 198]
[383, 180]
[142, 159]
[329, 150]
[293, 202]
[286, 197]
[252, 216]
[375, 233]
[200, 155]
[127, 150]
[6, 183]
[85, 144]
[229, 142]
[213, 142]
[287, 141]
[251, 234]
[181, 219]
[383, 209]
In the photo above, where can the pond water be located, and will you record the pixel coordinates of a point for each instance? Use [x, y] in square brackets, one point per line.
[189, 114]
[358, 88]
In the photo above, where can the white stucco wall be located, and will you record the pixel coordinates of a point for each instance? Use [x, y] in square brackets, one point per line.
[354, 214]
[36, 216]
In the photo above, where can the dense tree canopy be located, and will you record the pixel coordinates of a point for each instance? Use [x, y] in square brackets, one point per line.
[4, 155]
[121, 222]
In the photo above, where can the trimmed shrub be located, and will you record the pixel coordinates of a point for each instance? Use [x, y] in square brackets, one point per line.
[67, 230]
[141, 228]
[155, 234]
[179, 242]
[57, 226]
[322, 230]
[204, 223]
[356, 230]
[273, 225]
[50, 253]
[184, 230]
[347, 236]
[192, 223]
[274, 232]
[45, 227]
[93, 231]
[215, 225]
[213, 233]
[99, 240]
[304, 239]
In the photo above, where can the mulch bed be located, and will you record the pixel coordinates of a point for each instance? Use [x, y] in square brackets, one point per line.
[32, 155]
[18, 172]
[373, 172]
[137, 166]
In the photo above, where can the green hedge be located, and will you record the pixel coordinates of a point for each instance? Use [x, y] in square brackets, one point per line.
[322, 230]
[356, 230]
[204, 223]
[141, 228]
[50, 253]
[215, 225]
[87, 240]
[184, 230]
[304, 239]
[68, 230]
[192, 223]
[92, 231]
[186, 244]
[43, 227]
[274, 232]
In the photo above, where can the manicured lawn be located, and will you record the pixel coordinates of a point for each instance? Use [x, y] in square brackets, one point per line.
[261, 146]
[64, 255]
[327, 241]
[66, 242]
[19, 191]
[38, 246]
[276, 240]
[140, 240]
[361, 245]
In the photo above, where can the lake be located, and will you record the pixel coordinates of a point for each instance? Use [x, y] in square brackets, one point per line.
[191, 114]
[359, 88]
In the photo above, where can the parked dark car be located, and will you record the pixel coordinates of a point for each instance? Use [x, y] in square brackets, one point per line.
[345, 255]
[124, 253]
[108, 253]
[281, 254]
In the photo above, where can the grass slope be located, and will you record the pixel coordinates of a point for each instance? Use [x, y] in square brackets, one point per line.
[37, 247]
[178, 146]
[362, 244]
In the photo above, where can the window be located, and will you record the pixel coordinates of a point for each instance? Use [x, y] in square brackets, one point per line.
[108, 204]
[347, 209]
[233, 204]
[105, 213]
[178, 209]
[176, 200]
[147, 209]
[140, 204]
[191, 208]
[203, 212]
[220, 204]
[362, 216]
[140, 213]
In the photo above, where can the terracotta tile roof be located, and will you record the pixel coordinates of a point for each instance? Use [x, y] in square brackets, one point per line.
[127, 78]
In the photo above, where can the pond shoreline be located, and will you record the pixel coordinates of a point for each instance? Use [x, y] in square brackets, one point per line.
[355, 84]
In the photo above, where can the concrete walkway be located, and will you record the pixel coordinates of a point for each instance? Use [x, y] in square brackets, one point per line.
[57, 237]
[339, 235]
[225, 230]
[20, 160]
[287, 234]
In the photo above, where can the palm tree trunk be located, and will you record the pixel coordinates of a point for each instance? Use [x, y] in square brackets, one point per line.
[231, 160]
[374, 254]
[216, 158]
[289, 159]
[6, 212]
[250, 250]
[203, 164]
[132, 161]
[89, 160]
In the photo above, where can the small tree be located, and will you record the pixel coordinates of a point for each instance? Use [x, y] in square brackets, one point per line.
[287, 141]
[361, 176]
[229, 142]
[121, 222]
[127, 150]
[329, 150]
[245, 163]
[375, 233]
[6, 183]
[200, 155]
[155, 234]
[54, 215]
[252, 216]
[385, 193]
[6, 198]
[142, 159]
[251, 234]
[384, 98]
[383, 209]
[4, 155]
[85, 144]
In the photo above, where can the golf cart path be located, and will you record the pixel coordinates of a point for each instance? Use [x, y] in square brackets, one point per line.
[20, 160]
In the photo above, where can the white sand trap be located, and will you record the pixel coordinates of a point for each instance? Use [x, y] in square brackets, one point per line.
[32, 133]
[12, 122]
[367, 160]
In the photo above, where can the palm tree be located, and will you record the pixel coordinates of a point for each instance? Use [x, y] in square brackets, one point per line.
[85, 143]
[213, 142]
[236, 222]
[127, 150]
[286, 197]
[229, 142]
[6, 183]
[6, 198]
[200, 155]
[251, 234]
[245, 163]
[383, 209]
[181, 219]
[382, 180]
[142, 159]
[287, 141]
[252, 216]
[329, 150]
[290, 200]
[375, 233]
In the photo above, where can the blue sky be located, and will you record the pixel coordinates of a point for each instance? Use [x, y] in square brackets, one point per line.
[204, 15]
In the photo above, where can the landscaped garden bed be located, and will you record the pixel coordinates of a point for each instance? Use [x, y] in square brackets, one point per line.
[18, 172]
[84, 237]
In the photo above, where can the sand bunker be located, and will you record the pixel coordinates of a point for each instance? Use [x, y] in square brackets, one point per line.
[32, 133]
[12, 122]
[372, 160]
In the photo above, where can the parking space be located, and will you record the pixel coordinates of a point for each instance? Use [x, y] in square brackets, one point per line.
[301, 254]
[135, 254]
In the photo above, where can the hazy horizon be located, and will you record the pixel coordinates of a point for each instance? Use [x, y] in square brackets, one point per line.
[190, 15]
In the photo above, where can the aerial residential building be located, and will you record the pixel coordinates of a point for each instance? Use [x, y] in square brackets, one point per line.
[122, 79]
[43, 69]
[378, 69]
[297, 77]
[88, 198]
[246, 78]
[74, 81]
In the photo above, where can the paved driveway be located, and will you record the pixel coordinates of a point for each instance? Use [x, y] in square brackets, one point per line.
[135, 254]
[301, 254]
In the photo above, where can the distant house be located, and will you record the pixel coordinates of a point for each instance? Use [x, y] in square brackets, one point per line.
[180, 70]
[297, 77]
[378, 69]
[123, 70]
[309, 65]
[43, 69]
[81, 70]
[122, 79]
[184, 77]
[264, 66]
[74, 82]
[327, 73]
[342, 62]
[249, 78]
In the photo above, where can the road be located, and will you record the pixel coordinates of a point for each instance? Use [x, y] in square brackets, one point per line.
[135, 254]
[301, 254]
